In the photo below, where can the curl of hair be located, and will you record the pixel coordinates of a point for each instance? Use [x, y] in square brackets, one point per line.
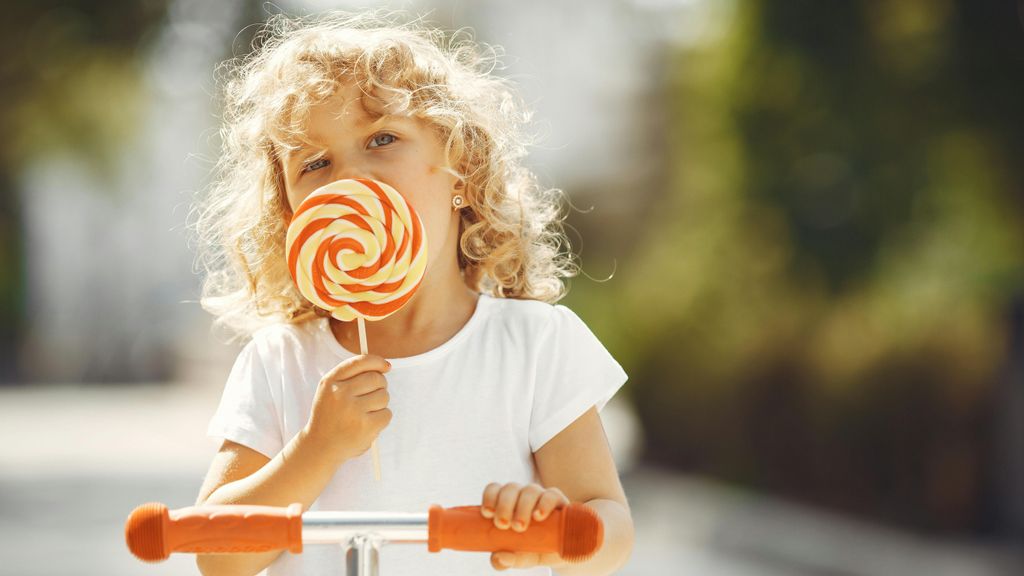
[510, 230]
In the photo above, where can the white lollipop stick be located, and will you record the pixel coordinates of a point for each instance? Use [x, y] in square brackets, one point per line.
[362, 350]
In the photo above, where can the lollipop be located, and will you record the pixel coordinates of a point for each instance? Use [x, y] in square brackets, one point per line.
[357, 249]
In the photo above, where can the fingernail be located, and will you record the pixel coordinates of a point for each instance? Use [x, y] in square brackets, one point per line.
[487, 512]
[536, 514]
[502, 523]
[388, 363]
[519, 525]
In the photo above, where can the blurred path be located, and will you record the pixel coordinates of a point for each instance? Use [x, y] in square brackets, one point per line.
[77, 460]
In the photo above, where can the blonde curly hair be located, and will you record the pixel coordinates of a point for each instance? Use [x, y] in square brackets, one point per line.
[510, 231]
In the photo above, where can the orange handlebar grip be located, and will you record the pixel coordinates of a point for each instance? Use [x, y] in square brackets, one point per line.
[153, 532]
[574, 531]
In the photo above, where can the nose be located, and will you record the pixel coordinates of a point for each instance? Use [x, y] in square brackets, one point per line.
[345, 168]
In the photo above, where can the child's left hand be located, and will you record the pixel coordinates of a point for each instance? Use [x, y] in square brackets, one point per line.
[512, 506]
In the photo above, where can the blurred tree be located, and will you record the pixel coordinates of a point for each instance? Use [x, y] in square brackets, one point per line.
[70, 80]
[819, 306]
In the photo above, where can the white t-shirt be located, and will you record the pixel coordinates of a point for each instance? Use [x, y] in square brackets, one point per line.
[467, 413]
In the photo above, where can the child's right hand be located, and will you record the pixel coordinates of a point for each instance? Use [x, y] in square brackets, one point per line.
[350, 407]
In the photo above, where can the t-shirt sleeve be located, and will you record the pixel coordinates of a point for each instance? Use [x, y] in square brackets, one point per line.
[247, 413]
[574, 372]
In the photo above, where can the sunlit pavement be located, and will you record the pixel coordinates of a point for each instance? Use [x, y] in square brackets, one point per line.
[77, 460]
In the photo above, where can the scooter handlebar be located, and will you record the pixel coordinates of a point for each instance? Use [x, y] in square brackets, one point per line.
[153, 532]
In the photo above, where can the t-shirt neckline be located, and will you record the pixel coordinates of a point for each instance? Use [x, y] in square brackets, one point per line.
[482, 303]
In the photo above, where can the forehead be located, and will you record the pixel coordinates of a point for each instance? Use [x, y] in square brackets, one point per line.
[348, 109]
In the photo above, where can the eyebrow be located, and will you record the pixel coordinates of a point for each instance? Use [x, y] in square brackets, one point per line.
[361, 123]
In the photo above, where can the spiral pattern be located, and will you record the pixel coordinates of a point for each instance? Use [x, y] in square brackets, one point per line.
[356, 248]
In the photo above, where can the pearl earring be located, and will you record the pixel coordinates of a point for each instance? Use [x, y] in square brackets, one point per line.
[457, 201]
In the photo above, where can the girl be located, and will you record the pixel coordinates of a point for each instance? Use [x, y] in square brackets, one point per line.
[491, 392]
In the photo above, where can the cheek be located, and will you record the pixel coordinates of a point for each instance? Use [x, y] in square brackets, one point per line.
[295, 199]
[436, 224]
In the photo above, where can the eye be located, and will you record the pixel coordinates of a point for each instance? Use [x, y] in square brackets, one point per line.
[383, 134]
[309, 167]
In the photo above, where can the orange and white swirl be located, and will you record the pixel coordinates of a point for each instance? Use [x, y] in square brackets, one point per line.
[357, 249]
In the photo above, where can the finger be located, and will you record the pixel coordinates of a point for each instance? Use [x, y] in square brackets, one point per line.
[551, 499]
[507, 497]
[376, 400]
[520, 560]
[381, 418]
[366, 383]
[358, 364]
[490, 500]
[527, 559]
[550, 559]
[528, 498]
[503, 560]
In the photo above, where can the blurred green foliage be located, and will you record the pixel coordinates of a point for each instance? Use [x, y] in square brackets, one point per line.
[818, 305]
[72, 78]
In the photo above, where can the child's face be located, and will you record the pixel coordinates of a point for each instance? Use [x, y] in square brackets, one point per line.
[401, 151]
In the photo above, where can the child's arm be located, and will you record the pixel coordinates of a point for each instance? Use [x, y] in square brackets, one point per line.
[576, 465]
[298, 473]
[579, 461]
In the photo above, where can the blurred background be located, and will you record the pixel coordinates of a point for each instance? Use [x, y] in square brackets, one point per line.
[801, 227]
